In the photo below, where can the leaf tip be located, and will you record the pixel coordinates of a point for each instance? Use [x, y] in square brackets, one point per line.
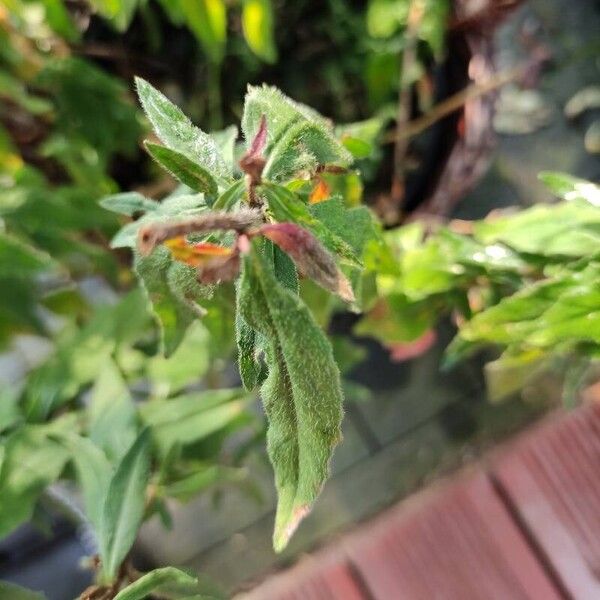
[284, 532]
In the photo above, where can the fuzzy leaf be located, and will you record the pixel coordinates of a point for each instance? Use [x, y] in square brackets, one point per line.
[280, 111]
[176, 131]
[176, 205]
[171, 289]
[257, 21]
[150, 582]
[252, 369]
[301, 395]
[124, 506]
[354, 225]
[288, 207]
[182, 168]
[301, 139]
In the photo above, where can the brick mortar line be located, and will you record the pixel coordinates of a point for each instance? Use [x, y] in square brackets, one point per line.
[528, 535]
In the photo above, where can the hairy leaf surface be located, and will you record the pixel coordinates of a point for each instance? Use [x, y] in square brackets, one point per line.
[287, 206]
[176, 131]
[301, 395]
[184, 169]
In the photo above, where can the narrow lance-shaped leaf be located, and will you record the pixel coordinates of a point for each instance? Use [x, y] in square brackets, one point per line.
[128, 203]
[184, 169]
[176, 131]
[251, 367]
[257, 21]
[207, 19]
[93, 473]
[152, 581]
[124, 506]
[301, 395]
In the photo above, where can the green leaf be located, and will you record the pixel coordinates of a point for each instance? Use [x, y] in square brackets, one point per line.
[280, 112]
[10, 413]
[128, 203]
[18, 259]
[192, 417]
[120, 12]
[93, 473]
[567, 187]
[385, 17]
[514, 317]
[362, 134]
[171, 291]
[257, 21]
[301, 395]
[207, 19]
[230, 197]
[574, 317]
[176, 131]
[355, 225]
[111, 413]
[225, 140]
[31, 462]
[300, 140]
[563, 229]
[182, 168]
[11, 591]
[511, 373]
[203, 478]
[287, 206]
[124, 506]
[395, 319]
[357, 147]
[252, 368]
[169, 375]
[152, 581]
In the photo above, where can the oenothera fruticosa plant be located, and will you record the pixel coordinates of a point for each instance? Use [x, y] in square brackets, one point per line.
[258, 216]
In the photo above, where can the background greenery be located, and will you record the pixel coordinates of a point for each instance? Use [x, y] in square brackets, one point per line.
[70, 135]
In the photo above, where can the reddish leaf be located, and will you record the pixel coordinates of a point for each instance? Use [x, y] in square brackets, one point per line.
[311, 257]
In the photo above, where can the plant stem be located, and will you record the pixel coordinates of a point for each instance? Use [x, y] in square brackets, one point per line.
[215, 114]
[409, 56]
[456, 101]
